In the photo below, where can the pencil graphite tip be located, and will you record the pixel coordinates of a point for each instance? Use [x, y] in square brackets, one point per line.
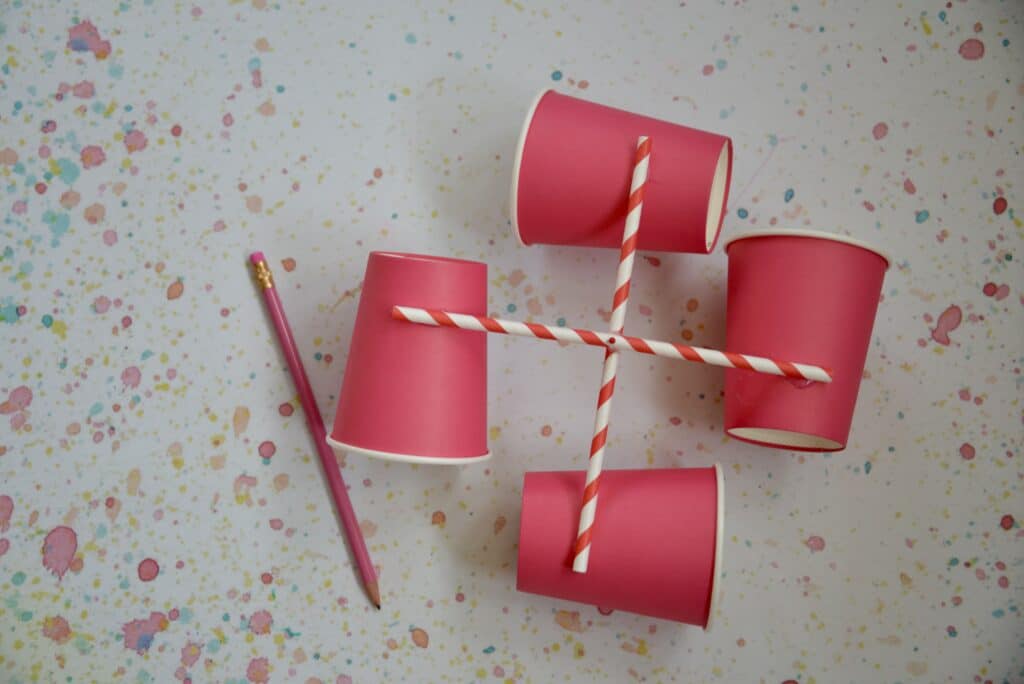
[256, 257]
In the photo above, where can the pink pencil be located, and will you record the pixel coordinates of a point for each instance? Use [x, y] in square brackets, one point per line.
[316, 426]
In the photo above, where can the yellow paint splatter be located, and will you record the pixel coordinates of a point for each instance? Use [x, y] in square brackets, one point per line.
[60, 329]
[240, 420]
[133, 481]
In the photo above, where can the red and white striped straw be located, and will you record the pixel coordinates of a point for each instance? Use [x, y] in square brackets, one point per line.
[634, 207]
[621, 343]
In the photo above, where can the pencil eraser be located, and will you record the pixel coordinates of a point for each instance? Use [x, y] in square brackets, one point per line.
[256, 257]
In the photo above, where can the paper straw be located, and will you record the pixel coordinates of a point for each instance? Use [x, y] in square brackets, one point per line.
[622, 343]
[634, 207]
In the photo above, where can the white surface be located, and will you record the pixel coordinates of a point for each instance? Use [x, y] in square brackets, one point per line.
[887, 562]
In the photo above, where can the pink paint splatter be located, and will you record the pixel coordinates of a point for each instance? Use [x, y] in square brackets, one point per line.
[148, 570]
[948, 322]
[92, 156]
[59, 550]
[708, 69]
[190, 653]
[815, 543]
[1000, 292]
[138, 634]
[880, 130]
[909, 187]
[82, 89]
[972, 49]
[131, 376]
[267, 449]
[967, 451]
[260, 622]
[94, 213]
[84, 37]
[227, 119]
[110, 237]
[6, 510]
[57, 629]
[18, 400]
[135, 140]
[4, 546]
[258, 671]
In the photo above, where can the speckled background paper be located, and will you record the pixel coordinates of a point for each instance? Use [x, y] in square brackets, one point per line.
[151, 441]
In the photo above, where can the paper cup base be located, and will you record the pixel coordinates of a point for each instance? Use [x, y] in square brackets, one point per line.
[406, 458]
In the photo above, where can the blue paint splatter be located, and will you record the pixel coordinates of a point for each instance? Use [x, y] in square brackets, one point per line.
[254, 64]
[789, 195]
[410, 38]
[922, 216]
[867, 467]
[742, 213]
[68, 170]
[489, 650]
[116, 71]
[556, 75]
[721, 64]
[998, 613]
[59, 224]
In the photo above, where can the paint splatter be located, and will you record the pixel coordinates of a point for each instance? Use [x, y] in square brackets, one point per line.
[815, 543]
[57, 629]
[569, 620]
[135, 140]
[420, 637]
[59, 549]
[260, 622]
[258, 671]
[139, 634]
[148, 570]
[84, 37]
[92, 156]
[130, 376]
[949, 321]
[880, 130]
[972, 49]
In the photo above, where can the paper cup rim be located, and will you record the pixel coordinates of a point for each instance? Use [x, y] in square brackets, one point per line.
[825, 445]
[430, 258]
[719, 537]
[813, 234]
[517, 164]
[406, 458]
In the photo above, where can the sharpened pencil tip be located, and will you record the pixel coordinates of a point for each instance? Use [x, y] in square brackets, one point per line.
[374, 592]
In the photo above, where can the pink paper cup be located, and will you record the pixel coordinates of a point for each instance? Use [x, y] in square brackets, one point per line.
[415, 393]
[807, 297]
[574, 164]
[656, 549]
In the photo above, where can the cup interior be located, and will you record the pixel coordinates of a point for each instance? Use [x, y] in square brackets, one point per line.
[716, 199]
[784, 438]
